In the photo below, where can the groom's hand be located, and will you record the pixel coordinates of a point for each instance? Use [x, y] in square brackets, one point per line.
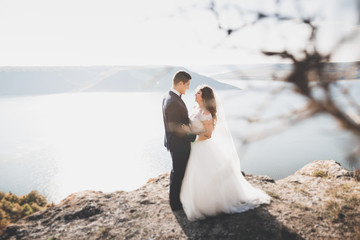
[177, 129]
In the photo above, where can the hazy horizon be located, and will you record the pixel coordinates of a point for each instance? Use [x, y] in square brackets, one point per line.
[93, 32]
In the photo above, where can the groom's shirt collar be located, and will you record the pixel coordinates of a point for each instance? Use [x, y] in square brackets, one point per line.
[176, 92]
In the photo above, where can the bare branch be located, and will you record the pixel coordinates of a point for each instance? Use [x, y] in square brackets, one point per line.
[283, 54]
[347, 122]
[309, 74]
[285, 121]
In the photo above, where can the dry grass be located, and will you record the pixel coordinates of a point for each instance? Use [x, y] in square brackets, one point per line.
[342, 207]
[273, 195]
[302, 207]
[320, 173]
[357, 175]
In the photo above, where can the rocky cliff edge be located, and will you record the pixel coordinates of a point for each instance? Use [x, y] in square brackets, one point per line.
[319, 201]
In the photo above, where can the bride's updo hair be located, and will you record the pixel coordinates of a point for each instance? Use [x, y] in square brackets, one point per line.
[208, 97]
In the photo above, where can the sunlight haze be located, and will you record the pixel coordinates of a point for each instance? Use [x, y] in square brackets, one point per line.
[139, 32]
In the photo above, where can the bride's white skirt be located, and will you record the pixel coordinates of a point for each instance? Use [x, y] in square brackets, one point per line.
[213, 184]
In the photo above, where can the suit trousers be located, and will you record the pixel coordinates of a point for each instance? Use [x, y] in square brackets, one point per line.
[179, 160]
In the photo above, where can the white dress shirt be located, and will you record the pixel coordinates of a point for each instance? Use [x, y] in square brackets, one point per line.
[176, 92]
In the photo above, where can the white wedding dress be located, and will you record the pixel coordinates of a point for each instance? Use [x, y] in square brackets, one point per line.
[213, 182]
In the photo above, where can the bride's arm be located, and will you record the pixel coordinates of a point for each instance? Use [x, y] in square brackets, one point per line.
[209, 127]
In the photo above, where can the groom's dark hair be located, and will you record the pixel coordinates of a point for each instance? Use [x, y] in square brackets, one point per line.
[181, 76]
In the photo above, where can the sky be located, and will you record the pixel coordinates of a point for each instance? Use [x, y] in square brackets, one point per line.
[165, 32]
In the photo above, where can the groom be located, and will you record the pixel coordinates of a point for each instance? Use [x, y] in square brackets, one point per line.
[177, 140]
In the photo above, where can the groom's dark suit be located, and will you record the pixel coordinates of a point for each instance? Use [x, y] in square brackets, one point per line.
[177, 141]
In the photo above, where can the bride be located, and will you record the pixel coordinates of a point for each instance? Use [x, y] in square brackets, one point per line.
[213, 182]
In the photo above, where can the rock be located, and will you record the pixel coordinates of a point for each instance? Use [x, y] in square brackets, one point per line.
[11, 230]
[35, 216]
[328, 168]
[84, 212]
[319, 201]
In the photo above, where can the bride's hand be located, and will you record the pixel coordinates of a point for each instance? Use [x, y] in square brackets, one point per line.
[203, 137]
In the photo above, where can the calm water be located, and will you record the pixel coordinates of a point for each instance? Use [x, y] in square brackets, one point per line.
[64, 143]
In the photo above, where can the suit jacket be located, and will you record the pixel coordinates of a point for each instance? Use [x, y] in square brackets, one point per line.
[175, 114]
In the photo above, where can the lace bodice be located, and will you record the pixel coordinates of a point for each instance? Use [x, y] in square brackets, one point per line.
[196, 117]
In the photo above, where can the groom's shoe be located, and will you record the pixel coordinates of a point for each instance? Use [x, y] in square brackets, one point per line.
[176, 208]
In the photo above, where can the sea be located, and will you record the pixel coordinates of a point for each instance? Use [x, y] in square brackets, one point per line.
[63, 143]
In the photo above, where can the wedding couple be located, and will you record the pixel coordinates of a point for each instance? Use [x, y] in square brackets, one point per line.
[206, 179]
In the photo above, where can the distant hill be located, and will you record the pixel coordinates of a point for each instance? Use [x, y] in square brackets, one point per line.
[150, 79]
[48, 80]
[343, 70]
